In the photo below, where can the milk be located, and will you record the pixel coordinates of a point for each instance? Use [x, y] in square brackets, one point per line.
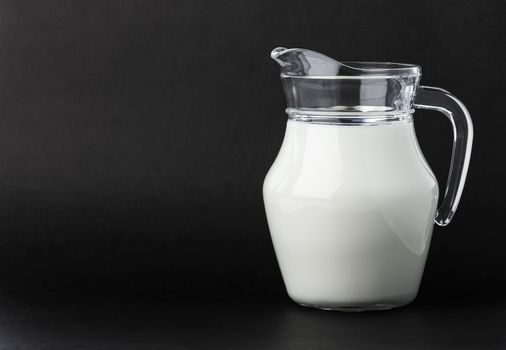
[350, 211]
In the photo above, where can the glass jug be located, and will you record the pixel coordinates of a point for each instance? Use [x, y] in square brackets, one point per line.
[350, 199]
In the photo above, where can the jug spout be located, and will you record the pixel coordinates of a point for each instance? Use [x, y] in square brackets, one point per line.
[277, 52]
[301, 62]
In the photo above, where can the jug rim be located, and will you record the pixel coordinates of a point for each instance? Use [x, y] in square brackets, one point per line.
[369, 70]
[286, 57]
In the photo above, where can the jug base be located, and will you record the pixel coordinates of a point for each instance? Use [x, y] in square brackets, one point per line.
[358, 308]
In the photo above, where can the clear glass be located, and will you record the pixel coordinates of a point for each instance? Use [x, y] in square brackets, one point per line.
[319, 89]
[315, 84]
[442, 101]
[350, 200]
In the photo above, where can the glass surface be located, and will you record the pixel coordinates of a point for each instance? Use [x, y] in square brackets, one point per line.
[314, 83]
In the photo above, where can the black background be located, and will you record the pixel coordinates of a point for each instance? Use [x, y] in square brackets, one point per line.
[135, 135]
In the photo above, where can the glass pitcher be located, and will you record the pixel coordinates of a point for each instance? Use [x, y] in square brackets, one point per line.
[350, 199]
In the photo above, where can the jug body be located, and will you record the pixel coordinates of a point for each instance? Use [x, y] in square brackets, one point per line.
[351, 210]
[350, 200]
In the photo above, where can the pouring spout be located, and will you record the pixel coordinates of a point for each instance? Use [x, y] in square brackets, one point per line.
[279, 54]
[300, 62]
[278, 51]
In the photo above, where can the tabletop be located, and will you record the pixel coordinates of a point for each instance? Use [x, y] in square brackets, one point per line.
[186, 323]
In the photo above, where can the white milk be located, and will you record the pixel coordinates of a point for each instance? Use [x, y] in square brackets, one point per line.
[351, 211]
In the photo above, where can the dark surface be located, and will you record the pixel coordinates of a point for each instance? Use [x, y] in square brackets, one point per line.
[134, 138]
[277, 325]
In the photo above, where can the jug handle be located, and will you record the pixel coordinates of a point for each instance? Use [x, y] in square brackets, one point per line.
[440, 100]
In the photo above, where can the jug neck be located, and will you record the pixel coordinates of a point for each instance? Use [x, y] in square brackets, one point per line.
[320, 89]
